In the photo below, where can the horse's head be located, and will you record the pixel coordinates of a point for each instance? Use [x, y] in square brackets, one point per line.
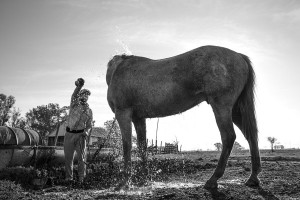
[112, 65]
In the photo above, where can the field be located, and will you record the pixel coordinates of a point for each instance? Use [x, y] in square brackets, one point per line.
[182, 176]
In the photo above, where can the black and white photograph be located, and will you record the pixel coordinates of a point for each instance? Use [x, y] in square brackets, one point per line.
[149, 99]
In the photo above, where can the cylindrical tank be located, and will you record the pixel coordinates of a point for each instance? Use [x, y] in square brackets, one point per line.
[16, 146]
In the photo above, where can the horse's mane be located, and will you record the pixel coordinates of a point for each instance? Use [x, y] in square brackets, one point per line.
[123, 56]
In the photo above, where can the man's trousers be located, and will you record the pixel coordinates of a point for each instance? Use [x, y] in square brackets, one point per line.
[75, 142]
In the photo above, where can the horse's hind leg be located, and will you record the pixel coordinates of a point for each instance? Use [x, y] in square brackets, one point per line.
[253, 181]
[225, 125]
[124, 118]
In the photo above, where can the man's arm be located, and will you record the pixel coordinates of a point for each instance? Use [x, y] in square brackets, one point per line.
[79, 84]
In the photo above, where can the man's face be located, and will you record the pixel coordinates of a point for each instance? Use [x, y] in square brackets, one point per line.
[83, 98]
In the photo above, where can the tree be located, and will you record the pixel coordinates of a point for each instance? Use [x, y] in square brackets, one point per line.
[237, 146]
[272, 140]
[44, 119]
[6, 104]
[16, 120]
[218, 146]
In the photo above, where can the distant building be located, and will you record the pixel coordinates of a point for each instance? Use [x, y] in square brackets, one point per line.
[97, 134]
[278, 146]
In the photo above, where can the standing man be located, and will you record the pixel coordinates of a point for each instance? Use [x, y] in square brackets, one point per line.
[79, 123]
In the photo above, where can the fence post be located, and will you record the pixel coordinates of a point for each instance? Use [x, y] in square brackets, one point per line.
[152, 147]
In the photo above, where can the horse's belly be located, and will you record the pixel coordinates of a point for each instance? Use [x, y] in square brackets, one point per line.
[165, 101]
[153, 111]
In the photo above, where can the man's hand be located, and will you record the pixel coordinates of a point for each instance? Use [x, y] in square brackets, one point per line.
[84, 134]
[79, 82]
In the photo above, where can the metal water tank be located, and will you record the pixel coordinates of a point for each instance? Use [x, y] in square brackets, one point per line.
[17, 146]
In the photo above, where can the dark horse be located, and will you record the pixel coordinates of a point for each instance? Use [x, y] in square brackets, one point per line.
[140, 88]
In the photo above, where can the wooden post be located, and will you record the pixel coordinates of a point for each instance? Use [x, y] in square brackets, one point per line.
[56, 134]
[147, 144]
[160, 147]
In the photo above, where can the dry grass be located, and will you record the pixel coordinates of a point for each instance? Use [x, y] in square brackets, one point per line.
[182, 177]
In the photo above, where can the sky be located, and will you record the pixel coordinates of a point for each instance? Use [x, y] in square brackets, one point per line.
[46, 45]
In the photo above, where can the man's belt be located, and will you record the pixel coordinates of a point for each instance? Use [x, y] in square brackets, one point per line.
[74, 131]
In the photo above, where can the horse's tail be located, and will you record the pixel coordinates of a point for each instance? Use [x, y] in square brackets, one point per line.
[244, 108]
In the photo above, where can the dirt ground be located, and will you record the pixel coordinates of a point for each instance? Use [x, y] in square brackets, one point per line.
[182, 176]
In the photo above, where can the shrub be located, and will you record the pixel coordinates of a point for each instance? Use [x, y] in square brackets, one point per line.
[23, 176]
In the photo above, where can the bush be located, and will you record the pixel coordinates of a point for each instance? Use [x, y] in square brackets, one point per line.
[10, 190]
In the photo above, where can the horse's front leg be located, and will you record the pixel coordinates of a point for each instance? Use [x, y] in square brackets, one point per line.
[225, 125]
[140, 127]
[124, 118]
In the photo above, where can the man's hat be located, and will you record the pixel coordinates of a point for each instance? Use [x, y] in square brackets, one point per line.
[85, 91]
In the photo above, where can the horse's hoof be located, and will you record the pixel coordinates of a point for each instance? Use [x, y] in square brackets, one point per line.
[210, 185]
[252, 182]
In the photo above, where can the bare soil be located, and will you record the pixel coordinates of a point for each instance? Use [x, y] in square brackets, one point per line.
[182, 176]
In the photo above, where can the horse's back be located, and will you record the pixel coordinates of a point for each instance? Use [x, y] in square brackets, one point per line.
[207, 69]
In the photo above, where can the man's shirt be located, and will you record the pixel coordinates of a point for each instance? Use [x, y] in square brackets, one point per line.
[80, 116]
